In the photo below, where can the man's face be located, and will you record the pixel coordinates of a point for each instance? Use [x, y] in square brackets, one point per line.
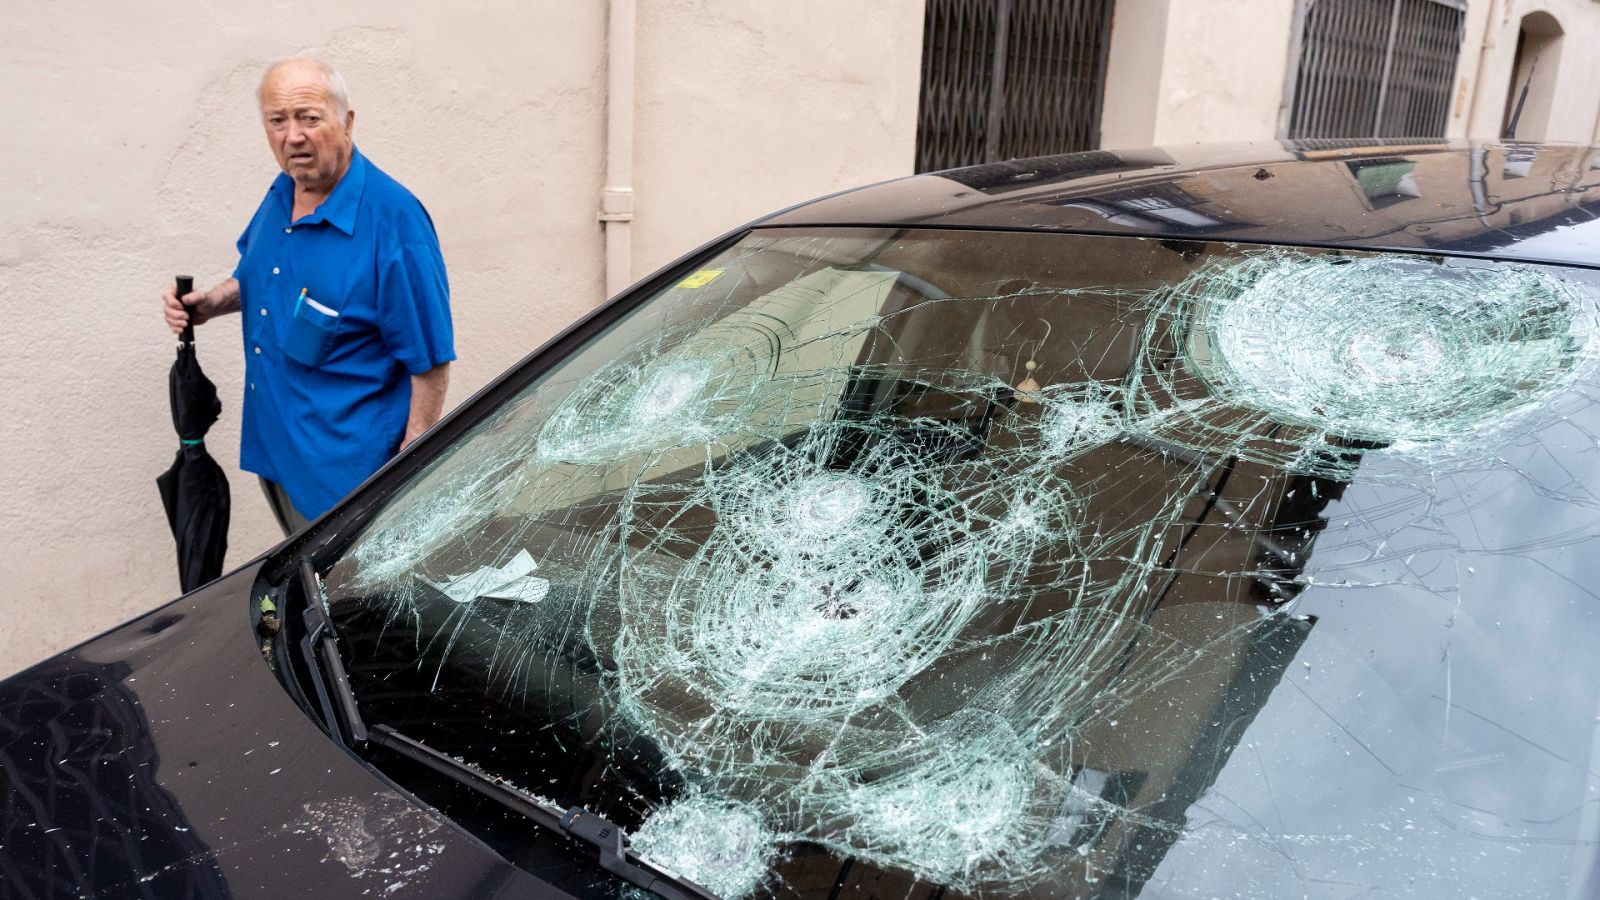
[309, 138]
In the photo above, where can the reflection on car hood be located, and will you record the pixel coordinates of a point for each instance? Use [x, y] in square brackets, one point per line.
[1516, 201]
[163, 759]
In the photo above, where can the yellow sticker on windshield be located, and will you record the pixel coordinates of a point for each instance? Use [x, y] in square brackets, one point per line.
[700, 278]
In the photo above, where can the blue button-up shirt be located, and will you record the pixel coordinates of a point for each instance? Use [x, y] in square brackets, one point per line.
[340, 308]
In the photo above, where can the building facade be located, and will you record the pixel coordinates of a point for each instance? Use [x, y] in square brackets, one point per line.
[1011, 78]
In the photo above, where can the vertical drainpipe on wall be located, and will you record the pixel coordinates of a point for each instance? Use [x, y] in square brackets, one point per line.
[616, 194]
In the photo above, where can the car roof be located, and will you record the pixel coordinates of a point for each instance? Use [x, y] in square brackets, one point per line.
[1524, 201]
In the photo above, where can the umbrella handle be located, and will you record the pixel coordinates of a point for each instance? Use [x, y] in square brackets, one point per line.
[184, 287]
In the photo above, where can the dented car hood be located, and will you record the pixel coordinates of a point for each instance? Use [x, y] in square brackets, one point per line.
[163, 759]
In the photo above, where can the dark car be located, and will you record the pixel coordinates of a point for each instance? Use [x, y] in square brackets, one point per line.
[1091, 526]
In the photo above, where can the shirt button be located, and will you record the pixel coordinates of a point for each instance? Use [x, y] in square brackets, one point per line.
[258, 351]
[288, 231]
[274, 270]
[263, 310]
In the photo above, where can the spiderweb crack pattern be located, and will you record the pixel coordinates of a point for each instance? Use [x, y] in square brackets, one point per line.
[1289, 355]
[883, 631]
[721, 845]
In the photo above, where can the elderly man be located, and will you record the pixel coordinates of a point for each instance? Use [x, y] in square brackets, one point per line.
[347, 330]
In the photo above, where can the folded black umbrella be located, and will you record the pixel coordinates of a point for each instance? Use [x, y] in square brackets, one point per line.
[195, 490]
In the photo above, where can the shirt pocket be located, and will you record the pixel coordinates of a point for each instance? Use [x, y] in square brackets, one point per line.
[309, 341]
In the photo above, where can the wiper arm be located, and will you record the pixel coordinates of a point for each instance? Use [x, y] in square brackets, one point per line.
[332, 683]
[589, 827]
[339, 710]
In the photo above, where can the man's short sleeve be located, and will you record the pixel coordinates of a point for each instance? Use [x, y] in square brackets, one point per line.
[243, 244]
[414, 305]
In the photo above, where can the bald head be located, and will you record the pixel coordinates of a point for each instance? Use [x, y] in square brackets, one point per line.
[308, 119]
[308, 65]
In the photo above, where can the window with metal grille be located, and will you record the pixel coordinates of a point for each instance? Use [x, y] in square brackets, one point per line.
[1374, 68]
[1003, 79]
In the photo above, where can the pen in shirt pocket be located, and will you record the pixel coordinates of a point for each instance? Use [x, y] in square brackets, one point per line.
[311, 302]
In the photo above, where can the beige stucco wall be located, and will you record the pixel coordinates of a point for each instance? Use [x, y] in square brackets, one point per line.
[134, 153]
[1181, 71]
[747, 106]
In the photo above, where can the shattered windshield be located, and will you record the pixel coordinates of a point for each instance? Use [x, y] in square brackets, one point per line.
[920, 563]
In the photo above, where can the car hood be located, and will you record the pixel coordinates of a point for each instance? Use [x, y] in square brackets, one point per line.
[164, 759]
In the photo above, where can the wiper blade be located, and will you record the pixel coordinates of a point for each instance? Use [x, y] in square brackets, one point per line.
[589, 827]
[338, 701]
[332, 683]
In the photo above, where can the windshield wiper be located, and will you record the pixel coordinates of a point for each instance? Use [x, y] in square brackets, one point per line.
[590, 827]
[338, 702]
[330, 680]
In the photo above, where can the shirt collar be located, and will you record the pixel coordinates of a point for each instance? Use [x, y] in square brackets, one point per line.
[339, 210]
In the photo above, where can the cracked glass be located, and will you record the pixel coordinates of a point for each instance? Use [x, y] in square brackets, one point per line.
[902, 563]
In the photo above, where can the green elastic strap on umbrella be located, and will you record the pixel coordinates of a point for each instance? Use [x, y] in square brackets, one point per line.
[194, 443]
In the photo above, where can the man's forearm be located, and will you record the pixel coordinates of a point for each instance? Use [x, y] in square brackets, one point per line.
[224, 298]
[427, 401]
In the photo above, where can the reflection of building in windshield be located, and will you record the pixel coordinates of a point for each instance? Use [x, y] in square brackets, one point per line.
[1214, 733]
[1228, 566]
